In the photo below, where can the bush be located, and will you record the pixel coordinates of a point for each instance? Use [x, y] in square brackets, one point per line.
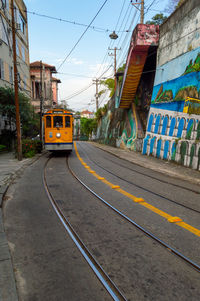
[2, 148]
[31, 147]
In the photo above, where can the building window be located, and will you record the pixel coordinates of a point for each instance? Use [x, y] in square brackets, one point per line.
[5, 4]
[22, 24]
[23, 53]
[17, 47]
[37, 90]
[25, 81]
[33, 90]
[1, 69]
[11, 74]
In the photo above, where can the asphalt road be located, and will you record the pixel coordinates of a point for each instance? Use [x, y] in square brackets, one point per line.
[48, 265]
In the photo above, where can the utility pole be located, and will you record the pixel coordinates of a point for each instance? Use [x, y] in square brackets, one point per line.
[141, 10]
[41, 101]
[96, 81]
[115, 63]
[19, 142]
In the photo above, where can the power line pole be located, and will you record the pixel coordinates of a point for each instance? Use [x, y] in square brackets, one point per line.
[19, 142]
[141, 10]
[115, 62]
[41, 101]
[96, 81]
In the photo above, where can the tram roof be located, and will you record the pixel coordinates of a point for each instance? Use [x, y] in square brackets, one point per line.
[58, 111]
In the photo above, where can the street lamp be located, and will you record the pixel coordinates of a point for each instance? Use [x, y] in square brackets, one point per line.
[113, 36]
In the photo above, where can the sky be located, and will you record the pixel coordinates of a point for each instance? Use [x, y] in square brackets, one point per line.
[54, 42]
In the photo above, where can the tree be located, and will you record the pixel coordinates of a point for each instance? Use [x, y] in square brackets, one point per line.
[88, 125]
[29, 119]
[158, 19]
[110, 82]
[173, 4]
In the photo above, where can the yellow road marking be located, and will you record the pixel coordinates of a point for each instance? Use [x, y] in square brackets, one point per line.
[172, 219]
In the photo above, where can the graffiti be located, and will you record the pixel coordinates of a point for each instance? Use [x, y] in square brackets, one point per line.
[120, 128]
[129, 134]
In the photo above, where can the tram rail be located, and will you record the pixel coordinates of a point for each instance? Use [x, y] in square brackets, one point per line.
[103, 277]
[142, 229]
[143, 188]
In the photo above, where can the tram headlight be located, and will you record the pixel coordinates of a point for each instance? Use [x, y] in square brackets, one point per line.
[58, 135]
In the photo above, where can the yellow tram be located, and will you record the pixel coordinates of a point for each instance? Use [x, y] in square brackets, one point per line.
[58, 130]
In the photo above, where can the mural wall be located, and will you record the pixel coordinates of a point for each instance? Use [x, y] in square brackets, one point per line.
[120, 128]
[173, 130]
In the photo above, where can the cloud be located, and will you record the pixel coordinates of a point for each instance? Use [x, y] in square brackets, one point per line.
[80, 102]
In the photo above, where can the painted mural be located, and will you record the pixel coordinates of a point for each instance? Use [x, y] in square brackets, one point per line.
[174, 117]
[120, 128]
[173, 94]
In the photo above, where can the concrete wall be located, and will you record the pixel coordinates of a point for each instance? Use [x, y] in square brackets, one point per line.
[174, 117]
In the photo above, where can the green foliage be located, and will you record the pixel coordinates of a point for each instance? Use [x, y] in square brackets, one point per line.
[101, 92]
[31, 147]
[110, 84]
[98, 114]
[158, 19]
[2, 147]
[28, 118]
[105, 108]
[88, 126]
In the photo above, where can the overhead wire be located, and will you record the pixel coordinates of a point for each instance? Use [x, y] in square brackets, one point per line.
[106, 56]
[81, 36]
[70, 22]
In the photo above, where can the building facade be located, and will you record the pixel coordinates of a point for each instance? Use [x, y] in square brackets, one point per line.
[22, 46]
[44, 85]
[6, 52]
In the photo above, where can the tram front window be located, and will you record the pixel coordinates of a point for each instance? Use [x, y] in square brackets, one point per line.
[58, 121]
[48, 121]
[67, 121]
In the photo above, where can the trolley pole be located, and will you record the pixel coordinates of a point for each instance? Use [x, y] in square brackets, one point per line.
[41, 101]
[19, 142]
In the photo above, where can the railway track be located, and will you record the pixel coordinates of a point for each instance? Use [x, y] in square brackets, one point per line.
[103, 277]
[133, 223]
[141, 187]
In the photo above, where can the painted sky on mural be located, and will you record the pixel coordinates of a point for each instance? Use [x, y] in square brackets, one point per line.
[52, 40]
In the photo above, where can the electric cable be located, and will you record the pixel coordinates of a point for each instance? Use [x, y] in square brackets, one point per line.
[82, 35]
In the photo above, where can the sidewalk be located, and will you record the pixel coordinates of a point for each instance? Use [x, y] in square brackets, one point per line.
[10, 168]
[165, 167]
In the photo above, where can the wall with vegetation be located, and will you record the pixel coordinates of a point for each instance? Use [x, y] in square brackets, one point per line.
[173, 130]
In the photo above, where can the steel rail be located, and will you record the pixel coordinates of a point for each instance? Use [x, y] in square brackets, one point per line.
[146, 232]
[136, 185]
[106, 281]
[144, 174]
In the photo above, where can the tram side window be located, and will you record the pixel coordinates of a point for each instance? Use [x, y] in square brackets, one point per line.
[48, 121]
[67, 121]
[57, 121]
